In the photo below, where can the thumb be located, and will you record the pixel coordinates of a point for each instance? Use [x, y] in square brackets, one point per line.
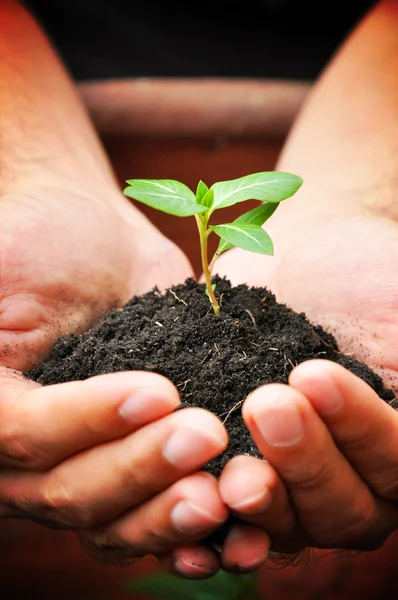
[160, 263]
[13, 384]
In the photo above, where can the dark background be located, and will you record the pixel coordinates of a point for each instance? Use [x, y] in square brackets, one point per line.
[214, 38]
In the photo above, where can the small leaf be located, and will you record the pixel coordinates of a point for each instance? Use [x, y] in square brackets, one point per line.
[223, 246]
[167, 195]
[256, 216]
[208, 199]
[245, 236]
[201, 191]
[269, 186]
[213, 287]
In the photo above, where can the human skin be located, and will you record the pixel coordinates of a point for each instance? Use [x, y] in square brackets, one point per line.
[330, 442]
[66, 175]
[72, 247]
[330, 480]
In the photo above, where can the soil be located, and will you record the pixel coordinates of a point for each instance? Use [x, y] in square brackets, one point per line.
[215, 361]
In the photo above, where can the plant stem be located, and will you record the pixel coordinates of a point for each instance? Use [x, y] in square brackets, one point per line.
[203, 235]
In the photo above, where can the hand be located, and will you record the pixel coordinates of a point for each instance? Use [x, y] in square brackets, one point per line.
[336, 258]
[343, 285]
[68, 257]
[340, 478]
[107, 457]
[332, 448]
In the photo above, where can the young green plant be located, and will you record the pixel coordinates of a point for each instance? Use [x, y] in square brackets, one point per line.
[175, 198]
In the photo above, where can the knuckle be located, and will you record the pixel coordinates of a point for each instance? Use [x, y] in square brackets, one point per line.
[160, 539]
[17, 448]
[366, 525]
[102, 546]
[358, 438]
[359, 531]
[57, 504]
[135, 478]
[385, 484]
[314, 477]
[126, 541]
[150, 540]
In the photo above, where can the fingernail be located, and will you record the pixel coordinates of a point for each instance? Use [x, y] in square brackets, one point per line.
[142, 407]
[254, 504]
[252, 557]
[189, 518]
[280, 424]
[189, 448]
[190, 568]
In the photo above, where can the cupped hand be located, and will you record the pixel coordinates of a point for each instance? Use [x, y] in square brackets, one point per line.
[339, 270]
[76, 455]
[331, 446]
[111, 463]
[66, 258]
[333, 482]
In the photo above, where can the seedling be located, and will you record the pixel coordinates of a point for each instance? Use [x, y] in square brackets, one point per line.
[175, 198]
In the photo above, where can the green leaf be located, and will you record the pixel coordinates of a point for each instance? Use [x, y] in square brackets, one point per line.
[221, 587]
[256, 216]
[268, 186]
[213, 287]
[201, 191]
[161, 585]
[246, 236]
[208, 199]
[204, 196]
[223, 246]
[167, 195]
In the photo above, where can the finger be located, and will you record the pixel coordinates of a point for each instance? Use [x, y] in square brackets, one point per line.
[193, 562]
[13, 383]
[245, 549]
[332, 502]
[162, 263]
[186, 512]
[98, 484]
[363, 426]
[44, 425]
[254, 493]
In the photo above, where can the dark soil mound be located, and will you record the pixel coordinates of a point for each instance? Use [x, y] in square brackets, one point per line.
[215, 361]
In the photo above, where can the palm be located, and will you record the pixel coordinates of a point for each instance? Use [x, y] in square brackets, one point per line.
[343, 274]
[65, 259]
